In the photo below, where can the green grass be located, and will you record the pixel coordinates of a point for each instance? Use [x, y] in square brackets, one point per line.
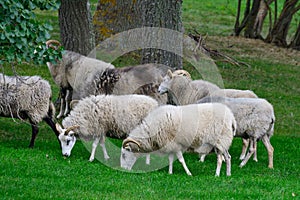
[42, 173]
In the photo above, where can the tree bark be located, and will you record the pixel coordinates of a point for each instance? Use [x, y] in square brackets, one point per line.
[116, 16]
[162, 14]
[250, 25]
[279, 32]
[295, 44]
[76, 28]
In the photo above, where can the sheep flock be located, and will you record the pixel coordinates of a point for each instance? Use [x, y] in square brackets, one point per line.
[154, 109]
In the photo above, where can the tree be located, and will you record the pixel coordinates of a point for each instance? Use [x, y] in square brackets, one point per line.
[22, 37]
[295, 44]
[76, 28]
[255, 15]
[279, 32]
[117, 16]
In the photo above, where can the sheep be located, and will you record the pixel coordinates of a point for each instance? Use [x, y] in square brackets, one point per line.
[71, 72]
[255, 120]
[139, 79]
[94, 116]
[27, 97]
[173, 129]
[182, 90]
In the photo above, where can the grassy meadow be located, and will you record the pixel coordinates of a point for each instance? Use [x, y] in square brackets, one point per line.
[43, 173]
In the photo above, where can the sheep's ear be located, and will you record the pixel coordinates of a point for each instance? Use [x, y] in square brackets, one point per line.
[58, 128]
[73, 103]
[169, 73]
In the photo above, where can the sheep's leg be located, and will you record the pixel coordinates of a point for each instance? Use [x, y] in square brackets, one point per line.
[244, 149]
[67, 102]
[171, 159]
[255, 151]
[62, 102]
[228, 162]
[181, 160]
[250, 152]
[35, 130]
[94, 146]
[202, 157]
[148, 159]
[219, 163]
[102, 144]
[270, 149]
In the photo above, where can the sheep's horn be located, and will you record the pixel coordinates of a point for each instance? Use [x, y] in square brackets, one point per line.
[71, 128]
[182, 72]
[130, 140]
[49, 42]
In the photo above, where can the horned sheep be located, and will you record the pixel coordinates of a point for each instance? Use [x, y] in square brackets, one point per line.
[173, 129]
[94, 116]
[182, 90]
[71, 72]
[27, 97]
[255, 120]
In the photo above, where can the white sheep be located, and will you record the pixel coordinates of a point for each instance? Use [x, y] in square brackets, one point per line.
[173, 129]
[71, 72]
[182, 90]
[255, 120]
[94, 116]
[27, 97]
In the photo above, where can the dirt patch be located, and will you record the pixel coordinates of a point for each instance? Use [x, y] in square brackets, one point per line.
[243, 48]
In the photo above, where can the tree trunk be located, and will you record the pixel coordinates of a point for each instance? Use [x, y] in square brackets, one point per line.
[280, 30]
[295, 44]
[162, 14]
[260, 18]
[76, 28]
[249, 29]
[115, 16]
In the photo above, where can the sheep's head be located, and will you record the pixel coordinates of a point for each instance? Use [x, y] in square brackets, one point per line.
[67, 139]
[165, 84]
[128, 153]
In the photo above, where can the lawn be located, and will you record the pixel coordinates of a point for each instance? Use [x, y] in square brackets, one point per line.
[43, 173]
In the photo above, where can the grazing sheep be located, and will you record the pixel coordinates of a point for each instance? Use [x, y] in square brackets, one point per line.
[94, 116]
[255, 120]
[27, 97]
[71, 72]
[173, 129]
[139, 79]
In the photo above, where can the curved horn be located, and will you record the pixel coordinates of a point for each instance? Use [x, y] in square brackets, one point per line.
[182, 72]
[130, 140]
[52, 43]
[71, 128]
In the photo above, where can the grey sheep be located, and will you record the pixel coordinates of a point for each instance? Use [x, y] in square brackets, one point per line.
[27, 97]
[71, 73]
[93, 117]
[173, 129]
[255, 120]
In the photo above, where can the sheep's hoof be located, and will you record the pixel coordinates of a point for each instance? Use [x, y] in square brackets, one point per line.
[255, 159]
[91, 159]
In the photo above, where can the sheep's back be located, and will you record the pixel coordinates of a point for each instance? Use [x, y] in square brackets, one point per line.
[25, 96]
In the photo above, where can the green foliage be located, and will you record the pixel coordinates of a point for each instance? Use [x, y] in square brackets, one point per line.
[22, 37]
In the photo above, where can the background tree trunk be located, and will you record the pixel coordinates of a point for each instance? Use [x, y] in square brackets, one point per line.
[116, 16]
[163, 14]
[249, 28]
[279, 32]
[76, 30]
[295, 44]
